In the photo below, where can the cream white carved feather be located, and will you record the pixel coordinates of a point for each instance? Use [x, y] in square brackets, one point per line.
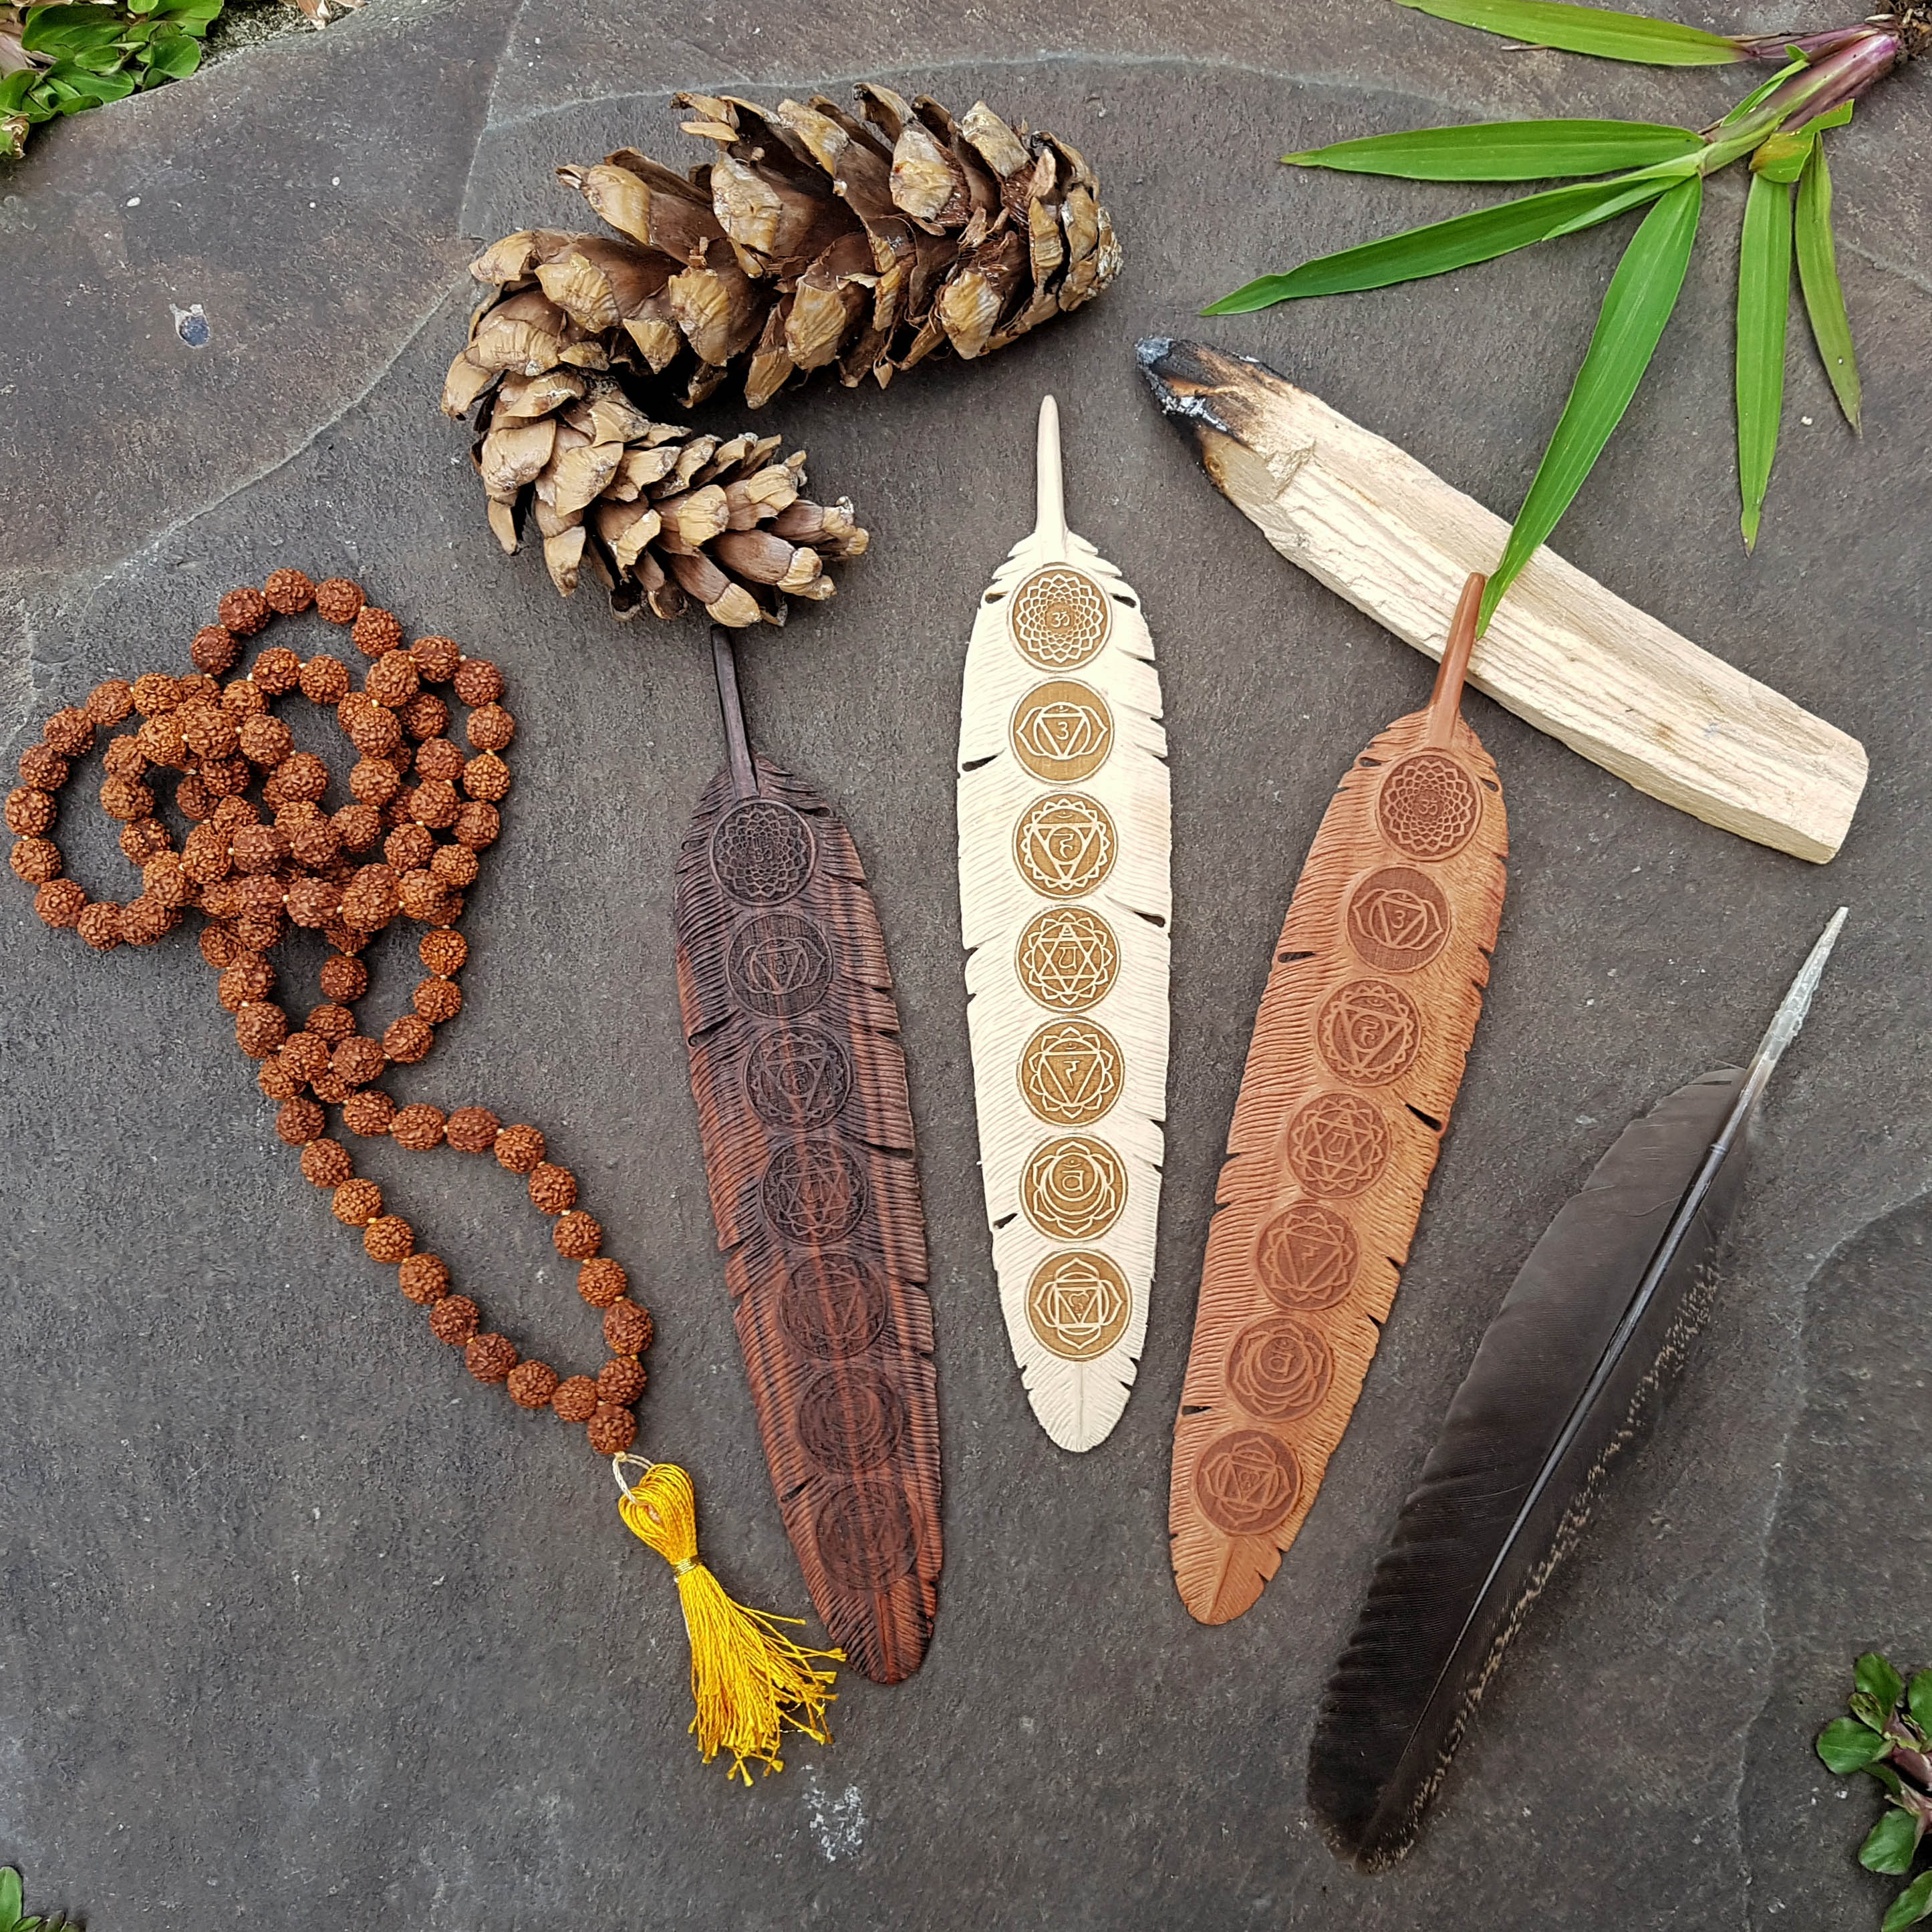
[1065, 838]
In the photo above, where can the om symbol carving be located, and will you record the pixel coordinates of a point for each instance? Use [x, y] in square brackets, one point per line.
[1430, 807]
[1059, 618]
[1399, 920]
[1338, 1145]
[761, 852]
[1062, 730]
[1279, 1369]
[1369, 1032]
[1247, 1482]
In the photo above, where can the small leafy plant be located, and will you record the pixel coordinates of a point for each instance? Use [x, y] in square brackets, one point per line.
[71, 55]
[11, 1918]
[1778, 126]
[1889, 1734]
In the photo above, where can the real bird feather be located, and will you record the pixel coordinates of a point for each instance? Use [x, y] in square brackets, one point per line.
[1591, 1332]
[1065, 833]
[801, 1092]
[1357, 1056]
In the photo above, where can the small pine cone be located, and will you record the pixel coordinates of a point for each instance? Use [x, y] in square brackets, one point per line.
[454, 1318]
[276, 1083]
[36, 860]
[575, 1400]
[478, 682]
[277, 669]
[425, 718]
[325, 679]
[357, 1203]
[388, 1239]
[577, 1236]
[300, 1121]
[425, 1279]
[250, 977]
[326, 1164]
[438, 657]
[267, 741]
[531, 1384]
[244, 611]
[443, 952]
[477, 825]
[69, 732]
[487, 777]
[490, 728]
[100, 925]
[333, 1022]
[627, 1328]
[376, 630]
[409, 848]
[359, 1059]
[373, 899]
[343, 978]
[124, 799]
[602, 1283]
[145, 920]
[30, 813]
[490, 1358]
[43, 768]
[621, 1381]
[436, 1000]
[418, 1128]
[455, 865]
[288, 593]
[219, 946]
[110, 701]
[426, 897]
[304, 1055]
[260, 1027]
[358, 826]
[408, 1039]
[214, 649]
[520, 1149]
[552, 1189]
[312, 902]
[370, 1112]
[394, 678]
[612, 1430]
[439, 758]
[154, 692]
[471, 1130]
[338, 599]
[60, 903]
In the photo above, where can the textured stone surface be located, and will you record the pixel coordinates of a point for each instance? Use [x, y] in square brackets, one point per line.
[302, 1627]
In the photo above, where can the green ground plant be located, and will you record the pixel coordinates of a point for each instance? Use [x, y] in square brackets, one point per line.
[1888, 1735]
[12, 1919]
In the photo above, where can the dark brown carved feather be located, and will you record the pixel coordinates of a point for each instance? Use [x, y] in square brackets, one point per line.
[800, 1084]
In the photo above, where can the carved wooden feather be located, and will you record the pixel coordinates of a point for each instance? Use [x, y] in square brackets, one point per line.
[1357, 1056]
[1573, 1367]
[801, 1093]
[1065, 832]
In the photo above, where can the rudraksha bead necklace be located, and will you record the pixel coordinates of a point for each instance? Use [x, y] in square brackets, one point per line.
[252, 876]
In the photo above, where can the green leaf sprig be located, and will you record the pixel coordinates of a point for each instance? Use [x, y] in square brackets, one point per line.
[1889, 1735]
[1779, 125]
[11, 1919]
[72, 54]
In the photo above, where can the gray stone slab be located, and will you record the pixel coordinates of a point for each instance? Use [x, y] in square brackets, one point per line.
[303, 1628]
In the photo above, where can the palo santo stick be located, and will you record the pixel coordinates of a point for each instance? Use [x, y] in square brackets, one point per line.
[1365, 519]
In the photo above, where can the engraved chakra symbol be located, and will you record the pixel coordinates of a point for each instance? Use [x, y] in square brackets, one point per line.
[1429, 806]
[1065, 844]
[798, 1077]
[1247, 1483]
[1070, 1072]
[1059, 618]
[1073, 1189]
[779, 965]
[1279, 1369]
[865, 1535]
[1369, 1032]
[1068, 958]
[761, 852]
[851, 1419]
[1078, 1305]
[1398, 919]
[1062, 730]
[813, 1191]
[831, 1307]
[1338, 1144]
[1306, 1256]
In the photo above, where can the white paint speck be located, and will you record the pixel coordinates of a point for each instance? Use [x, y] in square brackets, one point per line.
[134, 201]
[837, 1823]
[1806, 421]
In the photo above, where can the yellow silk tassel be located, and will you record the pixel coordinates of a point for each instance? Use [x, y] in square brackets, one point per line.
[748, 1678]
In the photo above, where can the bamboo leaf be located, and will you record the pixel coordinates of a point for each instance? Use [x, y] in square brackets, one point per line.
[1462, 240]
[1818, 277]
[1764, 306]
[1506, 150]
[1637, 306]
[1601, 30]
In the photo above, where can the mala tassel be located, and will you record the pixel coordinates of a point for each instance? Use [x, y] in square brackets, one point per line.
[748, 1679]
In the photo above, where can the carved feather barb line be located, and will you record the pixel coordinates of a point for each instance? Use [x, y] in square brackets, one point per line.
[1570, 1373]
[1356, 1057]
[1065, 834]
[801, 1091]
